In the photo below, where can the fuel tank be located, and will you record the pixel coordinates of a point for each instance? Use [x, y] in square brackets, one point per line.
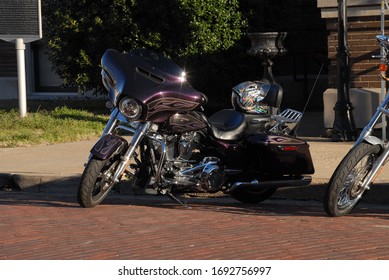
[188, 121]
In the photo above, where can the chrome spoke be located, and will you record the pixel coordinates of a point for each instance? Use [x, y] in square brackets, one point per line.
[352, 190]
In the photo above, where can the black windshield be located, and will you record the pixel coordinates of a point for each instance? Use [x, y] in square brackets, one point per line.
[158, 61]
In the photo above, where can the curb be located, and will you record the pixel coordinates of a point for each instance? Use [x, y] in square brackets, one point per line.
[379, 194]
[39, 183]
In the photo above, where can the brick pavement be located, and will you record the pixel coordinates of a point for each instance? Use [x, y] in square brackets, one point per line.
[53, 226]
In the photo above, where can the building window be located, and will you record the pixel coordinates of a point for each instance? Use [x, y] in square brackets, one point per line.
[45, 79]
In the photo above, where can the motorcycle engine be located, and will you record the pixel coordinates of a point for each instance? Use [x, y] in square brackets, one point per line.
[212, 176]
[187, 169]
[188, 143]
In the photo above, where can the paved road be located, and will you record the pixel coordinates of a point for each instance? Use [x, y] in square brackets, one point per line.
[52, 226]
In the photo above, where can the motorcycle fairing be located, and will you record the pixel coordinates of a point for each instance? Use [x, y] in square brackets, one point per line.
[108, 145]
[153, 80]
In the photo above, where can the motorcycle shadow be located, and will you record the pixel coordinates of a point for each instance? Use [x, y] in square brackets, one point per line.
[277, 206]
[224, 204]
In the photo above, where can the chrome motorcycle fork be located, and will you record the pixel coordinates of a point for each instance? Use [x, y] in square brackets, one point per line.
[368, 129]
[125, 159]
[366, 133]
[111, 124]
[378, 164]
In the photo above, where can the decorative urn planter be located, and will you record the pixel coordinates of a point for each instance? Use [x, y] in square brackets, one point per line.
[267, 45]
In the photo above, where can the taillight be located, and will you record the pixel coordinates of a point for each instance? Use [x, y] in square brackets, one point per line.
[287, 148]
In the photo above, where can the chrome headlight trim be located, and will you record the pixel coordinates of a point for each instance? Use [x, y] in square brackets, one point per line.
[130, 108]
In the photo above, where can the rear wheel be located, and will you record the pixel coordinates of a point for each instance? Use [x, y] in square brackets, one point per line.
[249, 195]
[345, 189]
[96, 181]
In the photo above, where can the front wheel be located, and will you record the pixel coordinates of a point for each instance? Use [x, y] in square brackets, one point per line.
[96, 181]
[249, 195]
[345, 189]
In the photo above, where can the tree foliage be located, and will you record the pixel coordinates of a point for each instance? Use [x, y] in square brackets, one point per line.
[266, 15]
[79, 31]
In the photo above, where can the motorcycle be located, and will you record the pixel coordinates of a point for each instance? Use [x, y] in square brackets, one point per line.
[173, 148]
[360, 167]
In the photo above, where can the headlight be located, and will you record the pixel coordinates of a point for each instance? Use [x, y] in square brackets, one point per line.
[130, 108]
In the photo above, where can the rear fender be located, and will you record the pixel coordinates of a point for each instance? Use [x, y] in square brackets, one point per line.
[108, 145]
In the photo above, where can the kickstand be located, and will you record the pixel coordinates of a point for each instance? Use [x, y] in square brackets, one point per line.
[172, 197]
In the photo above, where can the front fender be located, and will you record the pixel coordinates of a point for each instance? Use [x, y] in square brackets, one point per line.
[108, 145]
[373, 140]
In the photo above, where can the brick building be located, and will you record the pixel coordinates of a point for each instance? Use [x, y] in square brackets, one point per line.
[363, 24]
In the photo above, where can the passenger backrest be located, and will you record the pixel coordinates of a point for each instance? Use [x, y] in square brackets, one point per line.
[274, 97]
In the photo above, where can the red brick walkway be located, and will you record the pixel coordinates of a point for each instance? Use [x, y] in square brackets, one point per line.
[47, 226]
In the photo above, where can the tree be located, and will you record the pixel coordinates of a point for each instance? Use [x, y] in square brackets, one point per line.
[79, 31]
[266, 15]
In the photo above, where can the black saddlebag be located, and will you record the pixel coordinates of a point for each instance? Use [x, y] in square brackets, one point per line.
[278, 154]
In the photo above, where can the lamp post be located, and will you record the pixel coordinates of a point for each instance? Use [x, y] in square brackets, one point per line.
[344, 125]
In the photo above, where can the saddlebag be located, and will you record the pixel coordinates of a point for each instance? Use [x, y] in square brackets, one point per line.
[279, 154]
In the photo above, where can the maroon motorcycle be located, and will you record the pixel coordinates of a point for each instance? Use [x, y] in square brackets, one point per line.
[158, 138]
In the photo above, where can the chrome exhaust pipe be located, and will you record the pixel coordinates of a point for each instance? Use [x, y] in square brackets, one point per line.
[303, 181]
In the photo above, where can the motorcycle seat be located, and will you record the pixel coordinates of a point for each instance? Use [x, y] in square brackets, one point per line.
[227, 124]
[256, 122]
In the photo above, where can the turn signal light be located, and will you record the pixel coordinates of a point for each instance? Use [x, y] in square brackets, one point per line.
[383, 67]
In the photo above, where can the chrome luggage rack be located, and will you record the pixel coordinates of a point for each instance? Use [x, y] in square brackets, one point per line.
[286, 121]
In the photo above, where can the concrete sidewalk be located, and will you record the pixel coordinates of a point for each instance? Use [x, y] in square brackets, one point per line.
[57, 168]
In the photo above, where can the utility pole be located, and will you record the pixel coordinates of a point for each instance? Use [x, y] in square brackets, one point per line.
[344, 125]
[383, 82]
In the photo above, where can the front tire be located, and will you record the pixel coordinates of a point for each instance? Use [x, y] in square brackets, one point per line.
[248, 195]
[96, 181]
[344, 189]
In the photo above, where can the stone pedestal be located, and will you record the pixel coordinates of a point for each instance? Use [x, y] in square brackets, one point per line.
[364, 101]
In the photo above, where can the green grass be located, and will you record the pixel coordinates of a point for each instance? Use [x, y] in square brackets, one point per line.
[50, 122]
